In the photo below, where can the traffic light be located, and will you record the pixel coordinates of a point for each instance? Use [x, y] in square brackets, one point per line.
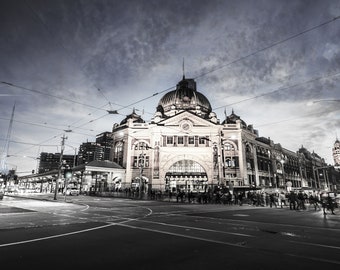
[67, 173]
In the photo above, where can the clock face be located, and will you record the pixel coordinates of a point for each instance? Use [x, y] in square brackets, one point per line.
[186, 126]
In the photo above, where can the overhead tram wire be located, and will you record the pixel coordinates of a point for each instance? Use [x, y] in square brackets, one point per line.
[58, 97]
[268, 47]
[281, 89]
[33, 124]
[202, 75]
[33, 144]
[243, 57]
[70, 56]
[290, 119]
[39, 144]
[128, 106]
[50, 95]
[258, 96]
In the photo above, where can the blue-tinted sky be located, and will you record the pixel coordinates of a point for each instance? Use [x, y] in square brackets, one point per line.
[264, 59]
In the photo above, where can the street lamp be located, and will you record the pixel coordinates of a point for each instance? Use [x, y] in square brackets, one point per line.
[141, 166]
[60, 165]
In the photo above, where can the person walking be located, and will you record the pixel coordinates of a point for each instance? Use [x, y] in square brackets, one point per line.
[282, 197]
[292, 200]
[301, 201]
[313, 200]
[272, 200]
[330, 204]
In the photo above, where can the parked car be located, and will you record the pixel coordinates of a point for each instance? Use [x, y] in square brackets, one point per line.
[72, 191]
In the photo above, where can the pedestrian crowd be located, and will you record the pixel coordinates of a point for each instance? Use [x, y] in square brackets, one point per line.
[294, 200]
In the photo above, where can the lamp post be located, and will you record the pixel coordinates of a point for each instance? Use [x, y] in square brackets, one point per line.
[141, 166]
[60, 165]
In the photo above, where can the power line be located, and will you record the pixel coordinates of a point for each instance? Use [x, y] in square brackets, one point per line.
[268, 47]
[242, 58]
[203, 74]
[290, 119]
[34, 144]
[50, 95]
[281, 89]
[46, 27]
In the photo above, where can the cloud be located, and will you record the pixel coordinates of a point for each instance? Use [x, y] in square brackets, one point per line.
[133, 49]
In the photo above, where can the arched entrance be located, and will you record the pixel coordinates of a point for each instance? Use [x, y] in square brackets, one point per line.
[186, 175]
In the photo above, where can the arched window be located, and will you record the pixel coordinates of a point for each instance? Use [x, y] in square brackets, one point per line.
[186, 166]
[228, 147]
[118, 153]
[141, 146]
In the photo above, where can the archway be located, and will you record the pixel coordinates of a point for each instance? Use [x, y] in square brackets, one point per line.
[186, 175]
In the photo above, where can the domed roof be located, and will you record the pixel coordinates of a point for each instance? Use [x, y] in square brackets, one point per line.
[135, 118]
[231, 119]
[185, 97]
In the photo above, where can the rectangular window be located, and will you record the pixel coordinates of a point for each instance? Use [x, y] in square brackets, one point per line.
[191, 140]
[180, 140]
[147, 162]
[169, 140]
[139, 161]
[202, 140]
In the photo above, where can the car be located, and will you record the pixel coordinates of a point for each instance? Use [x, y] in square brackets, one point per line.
[72, 191]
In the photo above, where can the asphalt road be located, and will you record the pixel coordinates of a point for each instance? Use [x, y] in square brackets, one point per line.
[90, 232]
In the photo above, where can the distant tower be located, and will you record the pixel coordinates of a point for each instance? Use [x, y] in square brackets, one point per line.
[336, 152]
[5, 149]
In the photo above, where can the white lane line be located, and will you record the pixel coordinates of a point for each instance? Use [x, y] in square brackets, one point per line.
[76, 232]
[314, 244]
[63, 234]
[195, 228]
[55, 236]
[185, 236]
[313, 258]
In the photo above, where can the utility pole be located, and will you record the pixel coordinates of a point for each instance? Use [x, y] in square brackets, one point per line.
[141, 166]
[4, 169]
[60, 165]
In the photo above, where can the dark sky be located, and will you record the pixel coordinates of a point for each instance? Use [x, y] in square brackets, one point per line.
[64, 63]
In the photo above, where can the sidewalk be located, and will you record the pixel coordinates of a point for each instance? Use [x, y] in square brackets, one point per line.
[173, 200]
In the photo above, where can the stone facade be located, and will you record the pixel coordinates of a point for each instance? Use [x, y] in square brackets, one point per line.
[185, 147]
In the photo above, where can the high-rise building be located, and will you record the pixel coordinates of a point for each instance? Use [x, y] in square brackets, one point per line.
[105, 141]
[90, 151]
[51, 161]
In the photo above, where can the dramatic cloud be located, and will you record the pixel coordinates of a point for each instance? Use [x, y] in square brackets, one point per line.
[264, 59]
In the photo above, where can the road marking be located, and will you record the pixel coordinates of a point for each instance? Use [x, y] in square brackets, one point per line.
[77, 232]
[55, 236]
[313, 258]
[316, 245]
[241, 244]
[195, 228]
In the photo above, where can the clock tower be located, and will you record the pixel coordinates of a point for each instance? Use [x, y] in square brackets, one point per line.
[336, 152]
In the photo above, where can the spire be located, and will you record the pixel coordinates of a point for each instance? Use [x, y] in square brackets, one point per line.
[183, 70]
